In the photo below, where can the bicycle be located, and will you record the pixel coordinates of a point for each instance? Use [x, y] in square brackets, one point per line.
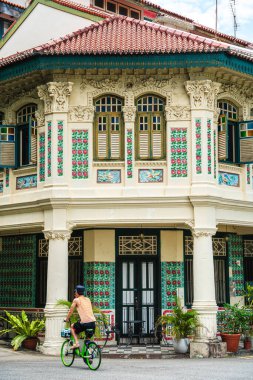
[91, 352]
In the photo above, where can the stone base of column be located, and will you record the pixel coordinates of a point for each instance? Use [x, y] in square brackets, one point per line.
[208, 349]
[208, 322]
[54, 323]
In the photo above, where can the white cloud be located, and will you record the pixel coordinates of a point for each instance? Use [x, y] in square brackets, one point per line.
[203, 12]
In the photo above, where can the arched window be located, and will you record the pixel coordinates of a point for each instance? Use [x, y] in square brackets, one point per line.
[27, 134]
[108, 128]
[150, 129]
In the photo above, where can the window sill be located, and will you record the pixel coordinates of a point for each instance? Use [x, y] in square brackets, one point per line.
[32, 169]
[98, 164]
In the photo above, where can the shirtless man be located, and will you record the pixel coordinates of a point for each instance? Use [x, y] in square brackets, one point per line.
[87, 319]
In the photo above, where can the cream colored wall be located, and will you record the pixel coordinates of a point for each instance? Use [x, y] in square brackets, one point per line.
[99, 245]
[172, 248]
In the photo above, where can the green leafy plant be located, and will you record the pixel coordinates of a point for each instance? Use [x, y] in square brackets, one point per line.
[249, 295]
[101, 318]
[22, 327]
[235, 319]
[183, 323]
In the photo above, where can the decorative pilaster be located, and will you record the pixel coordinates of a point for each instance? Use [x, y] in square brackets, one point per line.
[56, 104]
[129, 118]
[203, 98]
[57, 288]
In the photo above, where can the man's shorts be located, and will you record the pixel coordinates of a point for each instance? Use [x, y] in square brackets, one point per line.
[80, 327]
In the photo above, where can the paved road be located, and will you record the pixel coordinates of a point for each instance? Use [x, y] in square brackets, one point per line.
[27, 366]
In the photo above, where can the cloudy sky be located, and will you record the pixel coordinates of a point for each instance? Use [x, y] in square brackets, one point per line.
[203, 12]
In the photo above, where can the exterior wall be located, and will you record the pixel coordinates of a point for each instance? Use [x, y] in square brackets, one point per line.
[58, 24]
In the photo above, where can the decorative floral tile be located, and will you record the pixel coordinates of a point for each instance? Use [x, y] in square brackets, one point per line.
[26, 182]
[129, 153]
[42, 157]
[49, 149]
[150, 175]
[248, 174]
[229, 179]
[7, 177]
[80, 160]
[99, 279]
[179, 152]
[172, 278]
[209, 147]
[235, 253]
[60, 148]
[198, 146]
[109, 176]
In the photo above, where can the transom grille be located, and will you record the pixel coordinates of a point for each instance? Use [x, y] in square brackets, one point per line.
[137, 245]
[248, 248]
[74, 247]
[219, 246]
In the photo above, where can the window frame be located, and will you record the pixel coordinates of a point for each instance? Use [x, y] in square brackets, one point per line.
[109, 132]
[150, 131]
[26, 119]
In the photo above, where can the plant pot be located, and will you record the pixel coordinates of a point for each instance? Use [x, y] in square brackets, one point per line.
[181, 345]
[247, 344]
[232, 341]
[30, 343]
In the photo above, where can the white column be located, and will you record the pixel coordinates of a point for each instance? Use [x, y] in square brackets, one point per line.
[203, 283]
[57, 288]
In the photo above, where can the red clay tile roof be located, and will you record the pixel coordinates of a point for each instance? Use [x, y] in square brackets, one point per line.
[12, 4]
[127, 36]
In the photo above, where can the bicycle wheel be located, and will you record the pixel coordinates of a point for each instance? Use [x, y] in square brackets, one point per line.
[94, 358]
[67, 355]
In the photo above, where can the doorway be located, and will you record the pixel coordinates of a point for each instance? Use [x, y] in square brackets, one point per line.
[138, 281]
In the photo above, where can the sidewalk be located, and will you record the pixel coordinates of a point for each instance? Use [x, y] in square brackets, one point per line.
[131, 352]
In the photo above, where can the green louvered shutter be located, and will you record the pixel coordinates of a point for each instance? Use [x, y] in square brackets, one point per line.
[8, 155]
[245, 142]
[223, 138]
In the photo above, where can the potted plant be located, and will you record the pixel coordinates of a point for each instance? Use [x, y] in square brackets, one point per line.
[26, 331]
[183, 325]
[234, 321]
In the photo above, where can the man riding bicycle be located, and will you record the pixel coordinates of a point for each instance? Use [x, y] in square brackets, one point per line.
[87, 318]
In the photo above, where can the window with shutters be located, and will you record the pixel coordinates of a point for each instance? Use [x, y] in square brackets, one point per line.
[108, 129]
[235, 139]
[26, 135]
[150, 129]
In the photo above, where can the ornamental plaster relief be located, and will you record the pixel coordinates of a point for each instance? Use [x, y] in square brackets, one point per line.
[19, 95]
[129, 88]
[57, 235]
[40, 117]
[239, 96]
[177, 112]
[203, 94]
[129, 113]
[81, 113]
[55, 96]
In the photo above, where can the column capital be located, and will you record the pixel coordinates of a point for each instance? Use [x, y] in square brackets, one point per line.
[203, 93]
[129, 113]
[203, 232]
[55, 96]
[57, 234]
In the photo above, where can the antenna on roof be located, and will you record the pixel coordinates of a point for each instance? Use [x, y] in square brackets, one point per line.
[233, 9]
[216, 15]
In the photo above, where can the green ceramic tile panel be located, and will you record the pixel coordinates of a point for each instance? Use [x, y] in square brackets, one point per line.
[235, 254]
[99, 281]
[172, 278]
[18, 271]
